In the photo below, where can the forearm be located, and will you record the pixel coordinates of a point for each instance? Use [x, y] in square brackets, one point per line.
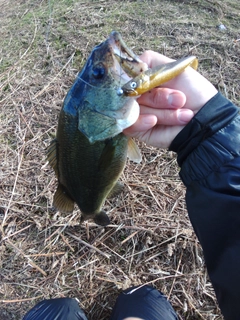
[209, 155]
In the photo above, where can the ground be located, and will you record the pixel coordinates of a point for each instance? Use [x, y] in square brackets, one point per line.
[45, 254]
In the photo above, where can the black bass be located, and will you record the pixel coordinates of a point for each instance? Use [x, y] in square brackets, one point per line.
[90, 150]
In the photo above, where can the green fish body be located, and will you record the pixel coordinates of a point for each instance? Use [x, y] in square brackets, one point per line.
[90, 152]
[88, 173]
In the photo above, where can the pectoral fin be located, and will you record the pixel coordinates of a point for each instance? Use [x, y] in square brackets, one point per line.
[134, 153]
[62, 201]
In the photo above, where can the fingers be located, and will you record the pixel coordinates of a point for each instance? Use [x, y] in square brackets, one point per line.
[160, 106]
[158, 136]
[164, 98]
[144, 123]
[164, 117]
[168, 117]
[166, 105]
[153, 58]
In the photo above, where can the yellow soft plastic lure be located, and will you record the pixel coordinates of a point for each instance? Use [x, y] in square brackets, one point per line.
[154, 77]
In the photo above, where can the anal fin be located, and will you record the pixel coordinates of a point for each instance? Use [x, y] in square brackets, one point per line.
[62, 201]
[134, 152]
[118, 188]
[52, 155]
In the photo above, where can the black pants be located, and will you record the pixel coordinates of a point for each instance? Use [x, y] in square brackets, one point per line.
[142, 302]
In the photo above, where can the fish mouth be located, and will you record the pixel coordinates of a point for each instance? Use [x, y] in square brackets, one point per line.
[128, 60]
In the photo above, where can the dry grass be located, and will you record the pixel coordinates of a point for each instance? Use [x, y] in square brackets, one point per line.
[44, 254]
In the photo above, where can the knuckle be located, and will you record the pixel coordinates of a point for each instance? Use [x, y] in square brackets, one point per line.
[158, 97]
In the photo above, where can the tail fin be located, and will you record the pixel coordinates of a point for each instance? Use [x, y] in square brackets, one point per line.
[100, 218]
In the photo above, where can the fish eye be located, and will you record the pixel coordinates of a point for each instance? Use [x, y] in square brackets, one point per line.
[133, 85]
[98, 72]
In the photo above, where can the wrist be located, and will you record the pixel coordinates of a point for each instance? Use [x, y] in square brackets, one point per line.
[213, 116]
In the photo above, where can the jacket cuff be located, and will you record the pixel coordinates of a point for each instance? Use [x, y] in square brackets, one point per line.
[217, 113]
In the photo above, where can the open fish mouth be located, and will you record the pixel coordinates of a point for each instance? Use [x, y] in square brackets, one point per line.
[128, 60]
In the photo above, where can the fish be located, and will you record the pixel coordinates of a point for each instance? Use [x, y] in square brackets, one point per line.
[90, 150]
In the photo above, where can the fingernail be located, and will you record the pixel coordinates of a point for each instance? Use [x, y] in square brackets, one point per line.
[185, 115]
[175, 99]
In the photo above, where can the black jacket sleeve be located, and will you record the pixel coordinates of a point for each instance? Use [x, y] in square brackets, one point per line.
[209, 156]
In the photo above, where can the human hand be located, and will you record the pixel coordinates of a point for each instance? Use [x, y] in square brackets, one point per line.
[164, 111]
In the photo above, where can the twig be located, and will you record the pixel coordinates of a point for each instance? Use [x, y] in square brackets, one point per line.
[45, 254]
[15, 233]
[33, 264]
[14, 186]
[156, 200]
[129, 237]
[157, 245]
[121, 257]
[20, 300]
[24, 54]
[89, 245]
[153, 281]
[174, 280]
[57, 75]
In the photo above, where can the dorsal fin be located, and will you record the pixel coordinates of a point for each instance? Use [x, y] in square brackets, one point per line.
[62, 201]
[52, 155]
[134, 152]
